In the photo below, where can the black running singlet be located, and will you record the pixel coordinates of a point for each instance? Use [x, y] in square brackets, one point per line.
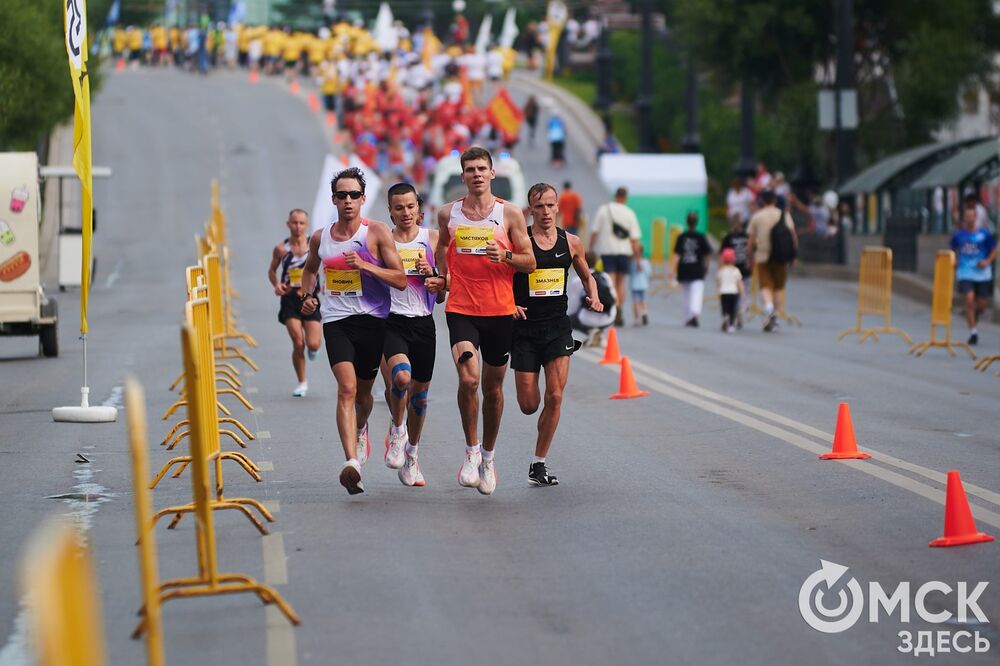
[543, 291]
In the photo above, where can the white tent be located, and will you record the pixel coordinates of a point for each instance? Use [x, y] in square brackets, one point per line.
[655, 174]
[385, 33]
[324, 211]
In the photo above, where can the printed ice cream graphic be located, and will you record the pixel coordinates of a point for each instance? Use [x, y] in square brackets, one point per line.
[18, 198]
[6, 233]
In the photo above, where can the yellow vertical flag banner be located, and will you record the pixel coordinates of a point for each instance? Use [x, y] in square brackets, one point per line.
[76, 48]
[556, 16]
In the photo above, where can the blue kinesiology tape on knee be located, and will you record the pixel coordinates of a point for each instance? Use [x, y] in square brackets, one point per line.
[418, 403]
[396, 369]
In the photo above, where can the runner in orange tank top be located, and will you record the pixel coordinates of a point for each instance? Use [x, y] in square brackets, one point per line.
[483, 241]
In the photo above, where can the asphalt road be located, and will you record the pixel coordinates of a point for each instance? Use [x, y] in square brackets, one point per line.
[685, 522]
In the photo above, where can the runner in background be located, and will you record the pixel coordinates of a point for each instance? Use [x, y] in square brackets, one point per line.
[285, 275]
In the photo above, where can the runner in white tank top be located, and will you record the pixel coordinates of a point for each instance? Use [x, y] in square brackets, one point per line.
[356, 262]
[285, 274]
[410, 337]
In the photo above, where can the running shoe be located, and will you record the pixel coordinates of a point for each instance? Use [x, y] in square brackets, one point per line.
[394, 453]
[974, 339]
[312, 354]
[364, 448]
[645, 320]
[468, 476]
[410, 473]
[731, 329]
[539, 476]
[350, 477]
[300, 390]
[487, 477]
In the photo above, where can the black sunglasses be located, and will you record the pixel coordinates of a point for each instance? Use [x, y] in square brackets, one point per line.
[354, 194]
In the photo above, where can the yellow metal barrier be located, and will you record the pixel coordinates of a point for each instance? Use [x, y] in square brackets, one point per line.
[672, 232]
[657, 251]
[944, 294]
[197, 319]
[229, 314]
[209, 581]
[61, 590]
[875, 295]
[214, 281]
[149, 577]
[985, 362]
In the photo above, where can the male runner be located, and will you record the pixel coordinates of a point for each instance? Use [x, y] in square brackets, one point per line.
[542, 329]
[410, 340]
[360, 263]
[483, 241]
[304, 330]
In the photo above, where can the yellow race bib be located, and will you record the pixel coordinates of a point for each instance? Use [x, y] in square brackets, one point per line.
[472, 240]
[343, 283]
[410, 255]
[547, 282]
[295, 277]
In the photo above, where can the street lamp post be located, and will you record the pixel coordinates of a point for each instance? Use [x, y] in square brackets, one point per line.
[747, 164]
[603, 101]
[427, 15]
[844, 133]
[691, 143]
[644, 103]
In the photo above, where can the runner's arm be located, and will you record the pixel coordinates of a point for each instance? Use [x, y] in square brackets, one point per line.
[444, 239]
[276, 256]
[522, 256]
[310, 276]
[583, 271]
[392, 272]
[433, 235]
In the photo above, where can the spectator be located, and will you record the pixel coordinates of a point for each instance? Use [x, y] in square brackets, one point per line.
[738, 241]
[739, 200]
[531, 118]
[772, 251]
[780, 186]
[570, 208]
[690, 264]
[615, 237]
[557, 140]
[976, 250]
[639, 284]
[762, 179]
[583, 318]
[820, 217]
[729, 281]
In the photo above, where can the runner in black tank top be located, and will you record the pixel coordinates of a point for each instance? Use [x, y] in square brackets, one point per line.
[542, 335]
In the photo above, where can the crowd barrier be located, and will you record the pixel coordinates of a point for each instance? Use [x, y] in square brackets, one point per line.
[875, 295]
[941, 307]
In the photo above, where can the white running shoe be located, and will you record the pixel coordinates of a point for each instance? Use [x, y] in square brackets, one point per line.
[487, 477]
[312, 354]
[364, 448]
[410, 473]
[300, 390]
[468, 476]
[350, 477]
[394, 451]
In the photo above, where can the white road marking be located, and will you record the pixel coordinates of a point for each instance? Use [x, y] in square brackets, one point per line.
[280, 633]
[266, 466]
[263, 434]
[114, 274]
[718, 407]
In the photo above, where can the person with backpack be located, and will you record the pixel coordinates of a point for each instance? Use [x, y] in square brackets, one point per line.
[584, 319]
[773, 248]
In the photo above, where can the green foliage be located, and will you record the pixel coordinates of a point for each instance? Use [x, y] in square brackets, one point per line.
[668, 82]
[35, 89]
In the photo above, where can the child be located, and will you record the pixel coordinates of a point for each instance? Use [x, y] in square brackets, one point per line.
[639, 283]
[730, 283]
[737, 239]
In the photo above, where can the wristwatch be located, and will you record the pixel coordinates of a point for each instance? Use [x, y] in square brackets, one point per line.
[509, 255]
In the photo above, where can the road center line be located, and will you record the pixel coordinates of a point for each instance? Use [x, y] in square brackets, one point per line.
[939, 477]
[905, 482]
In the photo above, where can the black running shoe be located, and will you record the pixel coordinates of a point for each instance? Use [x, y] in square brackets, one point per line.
[974, 339]
[539, 476]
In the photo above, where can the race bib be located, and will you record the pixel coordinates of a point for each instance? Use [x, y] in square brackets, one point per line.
[472, 240]
[547, 282]
[343, 283]
[409, 255]
[295, 277]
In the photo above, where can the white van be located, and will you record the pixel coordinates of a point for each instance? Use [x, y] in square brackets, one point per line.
[447, 185]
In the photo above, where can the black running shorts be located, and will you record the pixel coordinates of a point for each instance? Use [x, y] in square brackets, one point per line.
[356, 339]
[291, 308]
[490, 335]
[536, 343]
[415, 337]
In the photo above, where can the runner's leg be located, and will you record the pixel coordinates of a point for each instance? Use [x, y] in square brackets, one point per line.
[556, 374]
[313, 335]
[294, 327]
[492, 403]
[399, 384]
[416, 410]
[347, 420]
[468, 390]
[528, 398]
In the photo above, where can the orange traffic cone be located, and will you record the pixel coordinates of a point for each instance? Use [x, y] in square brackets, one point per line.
[313, 102]
[626, 387]
[845, 446]
[611, 351]
[959, 526]
[293, 87]
[331, 119]
[254, 75]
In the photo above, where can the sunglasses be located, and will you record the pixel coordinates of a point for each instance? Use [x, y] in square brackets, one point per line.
[343, 194]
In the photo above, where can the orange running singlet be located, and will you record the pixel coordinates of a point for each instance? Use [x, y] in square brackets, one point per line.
[479, 287]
